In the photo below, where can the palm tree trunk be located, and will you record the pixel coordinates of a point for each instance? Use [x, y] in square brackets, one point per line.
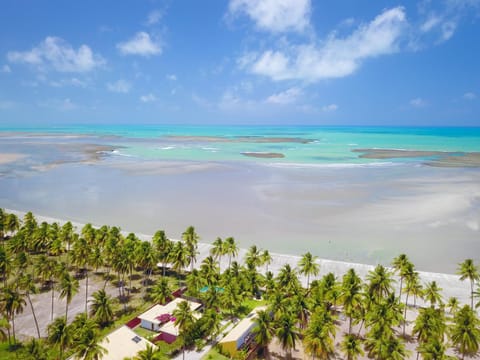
[13, 329]
[349, 325]
[53, 294]
[34, 316]
[471, 293]
[405, 314]
[361, 325]
[86, 294]
[308, 281]
[400, 292]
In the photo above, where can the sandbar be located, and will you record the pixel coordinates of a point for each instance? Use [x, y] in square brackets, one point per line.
[6, 158]
[268, 155]
[438, 158]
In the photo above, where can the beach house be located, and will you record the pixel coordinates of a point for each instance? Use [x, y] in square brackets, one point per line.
[240, 337]
[160, 318]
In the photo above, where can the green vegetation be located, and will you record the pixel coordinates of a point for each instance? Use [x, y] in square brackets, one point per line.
[373, 315]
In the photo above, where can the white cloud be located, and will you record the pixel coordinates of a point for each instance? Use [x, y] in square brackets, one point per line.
[418, 102]
[172, 77]
[285, 97]
[330, 108]
[148, 98]
[56, 53]
[119, 86]
[275, 15]
[6, 69]
[140, 44]
[448, 29]
[154, 17]
[432, 22]
[470, 96]
[334, 57]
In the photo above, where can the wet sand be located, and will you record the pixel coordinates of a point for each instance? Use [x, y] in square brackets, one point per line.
[264, 155]
[438, 158]
[6, 158]
[362, 215]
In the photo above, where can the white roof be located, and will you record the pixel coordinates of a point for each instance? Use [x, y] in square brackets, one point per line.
[154, 312]
[123, 343]
[243, 326]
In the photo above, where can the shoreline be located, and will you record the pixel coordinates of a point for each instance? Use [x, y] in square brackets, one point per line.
[449, 283]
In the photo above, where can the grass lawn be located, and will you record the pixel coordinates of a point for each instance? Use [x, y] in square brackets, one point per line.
[213, 354]
[145, 333]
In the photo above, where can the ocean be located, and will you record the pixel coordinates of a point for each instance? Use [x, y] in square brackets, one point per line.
[323, 144]
[357, 194]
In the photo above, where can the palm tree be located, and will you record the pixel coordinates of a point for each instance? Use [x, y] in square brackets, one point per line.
[27, 284]
[146, 258]
[453, 304]
[82, 250]
[287, 279]
[11, 224]
[161, 291]
[191, 241]
[434, 349]
[211, 321]
[68, 288]
[36, 349]
[263, 330]
[231, 249]
[184, 320]
[253, 256]
[163, 246]
[465, 332]
[308, 266]
[380, 282]
[87, 342]
[179, 257]
[351, 347]
[150, 353]
[13, 304]
[320, 334]
[287, 333]
[59, 334]
[351, 295]
[432, 293]
[402, 265]
[468, 270]
[101, 308]
[217, 250]
[266, 259]
[5, 264]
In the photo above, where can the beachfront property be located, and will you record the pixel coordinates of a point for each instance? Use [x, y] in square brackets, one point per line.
[123, 343]
[160, 318]
[240, 337]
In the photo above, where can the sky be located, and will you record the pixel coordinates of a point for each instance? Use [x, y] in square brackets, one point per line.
[330, 62]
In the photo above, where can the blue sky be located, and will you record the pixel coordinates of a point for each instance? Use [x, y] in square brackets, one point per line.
[356, 62]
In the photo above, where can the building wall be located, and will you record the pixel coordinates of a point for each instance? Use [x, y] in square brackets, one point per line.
[148, 325]
[229, 347]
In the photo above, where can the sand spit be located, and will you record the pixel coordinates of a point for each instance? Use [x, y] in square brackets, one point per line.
[263, 155]
[439, 158]
[242, 139]
[451, 284]
[6, 158]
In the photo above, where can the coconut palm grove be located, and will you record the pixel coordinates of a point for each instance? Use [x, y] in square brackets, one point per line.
[112, 277]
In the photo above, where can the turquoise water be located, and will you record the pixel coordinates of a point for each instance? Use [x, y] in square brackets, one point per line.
[329, 145]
